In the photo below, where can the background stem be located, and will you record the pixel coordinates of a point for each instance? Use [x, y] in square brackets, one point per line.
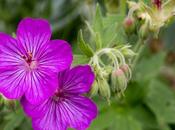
[138, 49]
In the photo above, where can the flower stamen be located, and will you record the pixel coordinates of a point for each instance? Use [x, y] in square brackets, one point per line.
[58, 95]
[29, 60]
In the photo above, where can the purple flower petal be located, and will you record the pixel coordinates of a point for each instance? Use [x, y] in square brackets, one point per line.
[12, 82]
[74, 112]
[44, 81]
[15, 79]
[9, 51]
[66, 108]
[12, 77]
[41, 85]
[57, 57]
[77, 80]
[33, 34]
[78, 112]
[30, 64]
[37, 110]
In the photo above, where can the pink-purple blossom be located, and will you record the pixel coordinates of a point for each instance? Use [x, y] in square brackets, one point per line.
[67, 108]
[29, 63]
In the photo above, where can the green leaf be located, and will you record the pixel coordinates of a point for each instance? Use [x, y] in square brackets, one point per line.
[14, 120]
[98, 20]
[126, 123]
[121, 35]
[113, 32]
[109, 35]
[115, 117]
[161, 100]
[98, 41]
[113, 19]
[25, 125]
[149, 67]
[113, 29]
[80, 59]
[85, 48]
[104, 120]
[97, 26]
[145, 117]
[135, 93]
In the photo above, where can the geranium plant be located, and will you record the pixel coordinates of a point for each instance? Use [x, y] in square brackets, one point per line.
[113, 76]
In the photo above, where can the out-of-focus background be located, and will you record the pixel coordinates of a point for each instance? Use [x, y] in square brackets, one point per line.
[149, 101]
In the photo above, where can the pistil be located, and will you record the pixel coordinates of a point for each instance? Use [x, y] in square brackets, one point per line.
[29, 60]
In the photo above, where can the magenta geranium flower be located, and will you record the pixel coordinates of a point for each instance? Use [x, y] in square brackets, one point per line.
[29, 63]
[67, 107]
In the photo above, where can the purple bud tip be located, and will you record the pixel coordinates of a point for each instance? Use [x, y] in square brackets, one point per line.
[124, 68]
[128, 21]
[118, 72]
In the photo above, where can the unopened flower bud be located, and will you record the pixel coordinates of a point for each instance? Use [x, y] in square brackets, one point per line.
[104, 89]
[129, 25]
[119, 81]
[94, 89]
[125, 68]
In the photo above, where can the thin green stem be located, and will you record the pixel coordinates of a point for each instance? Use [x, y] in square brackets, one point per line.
[138, 49]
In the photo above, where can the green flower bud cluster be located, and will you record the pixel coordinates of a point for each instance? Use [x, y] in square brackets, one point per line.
[152, 18]
[105, 53]
[113, 69]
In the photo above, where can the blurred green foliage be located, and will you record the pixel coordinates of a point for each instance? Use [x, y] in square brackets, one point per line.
[149, 101]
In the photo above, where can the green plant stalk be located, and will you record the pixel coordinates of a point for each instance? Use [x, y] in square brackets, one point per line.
[138, 49]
